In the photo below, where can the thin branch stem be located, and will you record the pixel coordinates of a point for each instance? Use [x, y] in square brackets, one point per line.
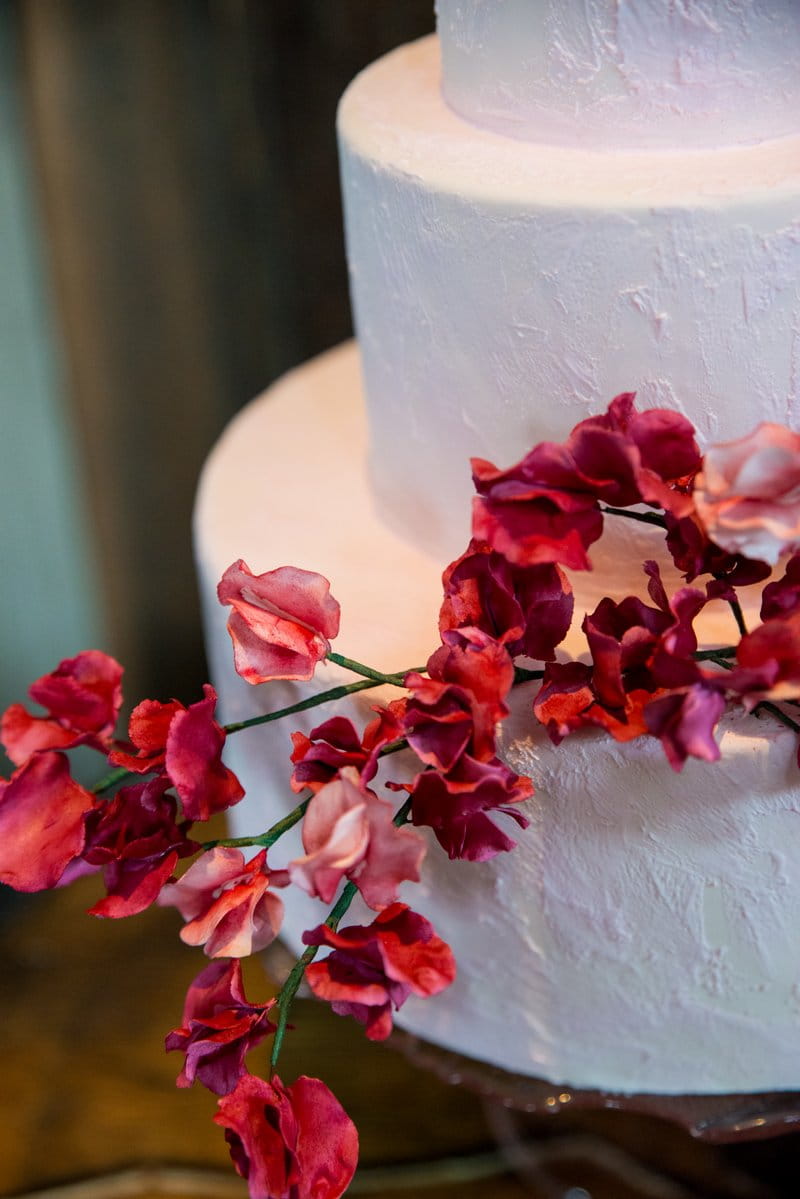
[738, 615]
[647, 518]
[289, 988]
[295, 977]
[395, 679]
[265, 840]
[111, 779]
[778, 713]
[311, 701]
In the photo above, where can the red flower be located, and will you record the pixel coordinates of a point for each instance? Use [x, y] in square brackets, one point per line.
[219, 1028]
[527, 608]
[459, 806]
[42, 815]
[188, 744]
[82, 698]
[136, 839]
[349, 833]
[281, 623]
[228, 904]
[770, 660]
[627, 457]
[782, 597]
[148, 730]
[694, 554]
[545, 509]
[748, 495]
[376, 967]
[292, 1142]
[456, 709]
[534, 513]
[333, 745]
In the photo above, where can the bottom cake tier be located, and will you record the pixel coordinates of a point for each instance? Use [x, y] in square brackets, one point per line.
[643, 935]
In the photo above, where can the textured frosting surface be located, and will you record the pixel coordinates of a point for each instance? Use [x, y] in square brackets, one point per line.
[624, 74]
[503, 290]
[645, 928]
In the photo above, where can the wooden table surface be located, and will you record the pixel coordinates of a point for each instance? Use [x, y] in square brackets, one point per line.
[90, 1108]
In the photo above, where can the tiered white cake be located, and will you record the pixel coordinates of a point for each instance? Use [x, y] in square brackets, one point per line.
[591, 197]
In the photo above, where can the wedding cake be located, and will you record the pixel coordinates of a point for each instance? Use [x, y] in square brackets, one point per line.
[551, 202]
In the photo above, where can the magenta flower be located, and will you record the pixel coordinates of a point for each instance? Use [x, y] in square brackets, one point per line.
[349, 833]
[136, 839]
[685, 721]
[335, 744]
[748, 495]
[292, 1142]
[527, 608]
[82, 698]
[42, 822]
[460, 805]
[228, 904]
[219, 1028]
[281, 623]
[374, 968]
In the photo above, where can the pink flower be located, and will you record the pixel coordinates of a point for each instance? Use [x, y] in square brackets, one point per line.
[748, 495]
[136, 839]
[376, 967]
[219, 1028]
[292, 1142]
[228, 904]
[527, 608]
[349, 833]
[42, 818]
[459, 806]
[82, 698]
[281, 623]
[330, 747]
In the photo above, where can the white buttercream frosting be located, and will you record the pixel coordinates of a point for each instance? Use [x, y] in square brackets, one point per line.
[643, 935]
[624, 74]
[503, 290]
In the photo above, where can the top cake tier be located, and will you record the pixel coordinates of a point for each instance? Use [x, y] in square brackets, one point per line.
[624, 74]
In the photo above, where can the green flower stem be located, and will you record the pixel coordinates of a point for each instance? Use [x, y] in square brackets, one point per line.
[778, 713]
[738, 616]
[647, 518]
[264, 840]
[396, 679]
[522, 675]
[295, 977]
[111, 779]
[289, 988]
[312, 701]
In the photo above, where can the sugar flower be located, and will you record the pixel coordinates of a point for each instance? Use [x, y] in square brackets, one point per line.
[374, 968]
[137, 840]
[229, 905]
[748, 494]
[349, 833]
[219, 1028]
[293, 1142]
[82, 697]
[42, 822]
[281, 623]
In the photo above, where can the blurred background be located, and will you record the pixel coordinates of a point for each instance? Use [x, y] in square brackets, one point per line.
[171, 242]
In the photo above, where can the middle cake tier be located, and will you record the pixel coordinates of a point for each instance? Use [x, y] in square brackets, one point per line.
[503, 290]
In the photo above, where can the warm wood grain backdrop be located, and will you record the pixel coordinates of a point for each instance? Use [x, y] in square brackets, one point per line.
[185, 158]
